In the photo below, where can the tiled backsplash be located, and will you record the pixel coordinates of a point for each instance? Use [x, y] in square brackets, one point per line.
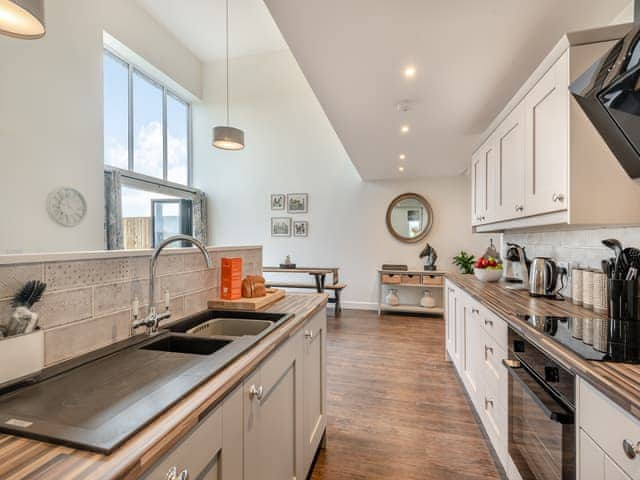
[87, 304]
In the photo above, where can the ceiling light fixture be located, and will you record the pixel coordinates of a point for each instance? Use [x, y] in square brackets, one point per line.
[404, 129]
[401, 169]
[22, 18]
[227, 137]
[402, 156]
[410, 71]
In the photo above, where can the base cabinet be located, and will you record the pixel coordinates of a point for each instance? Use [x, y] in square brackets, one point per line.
[269, 427]
[595, 464]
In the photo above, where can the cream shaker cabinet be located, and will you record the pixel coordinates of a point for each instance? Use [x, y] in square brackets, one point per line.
[510, 168]
[546, 109]
[472, 350]
[595, 464]
[483, 174]
[314, 398]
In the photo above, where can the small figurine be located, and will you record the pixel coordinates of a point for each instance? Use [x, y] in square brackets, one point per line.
[429, 256]
[287, 264]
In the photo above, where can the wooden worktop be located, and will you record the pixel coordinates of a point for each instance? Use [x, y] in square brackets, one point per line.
[21, 458]
[618, 381]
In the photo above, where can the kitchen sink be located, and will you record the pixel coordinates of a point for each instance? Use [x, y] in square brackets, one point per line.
[187, 344]
[229, 327]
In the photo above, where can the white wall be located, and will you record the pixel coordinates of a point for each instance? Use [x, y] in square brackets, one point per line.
[51, 116]
[291, 148]
[626, 15]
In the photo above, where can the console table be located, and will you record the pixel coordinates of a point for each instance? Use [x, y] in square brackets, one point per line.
[411, 286]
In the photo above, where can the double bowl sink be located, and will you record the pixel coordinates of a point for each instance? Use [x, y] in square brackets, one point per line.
[97, 405]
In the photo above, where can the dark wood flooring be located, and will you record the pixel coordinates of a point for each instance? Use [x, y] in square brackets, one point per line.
[396, 409]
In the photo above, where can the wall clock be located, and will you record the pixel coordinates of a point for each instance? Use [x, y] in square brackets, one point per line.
[66, 206]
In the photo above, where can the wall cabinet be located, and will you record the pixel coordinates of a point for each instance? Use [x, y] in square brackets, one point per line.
[270, 426]
[541, 161]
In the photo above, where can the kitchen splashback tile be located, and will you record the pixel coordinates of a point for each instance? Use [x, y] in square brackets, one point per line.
[62, 275]
[12, 277]
[69, 341]
[118, 296]
[59, 308]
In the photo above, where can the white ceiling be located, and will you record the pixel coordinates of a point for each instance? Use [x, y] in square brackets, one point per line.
[200, 26]
[471, 56]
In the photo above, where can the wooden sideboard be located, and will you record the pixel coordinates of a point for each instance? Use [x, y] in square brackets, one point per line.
[411, 286]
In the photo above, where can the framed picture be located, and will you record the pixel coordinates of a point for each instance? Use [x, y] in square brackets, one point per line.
[297, 203]
[280, 227]
[301, 228]
[278, 201]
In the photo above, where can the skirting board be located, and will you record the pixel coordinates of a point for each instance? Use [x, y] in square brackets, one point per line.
[360, 305]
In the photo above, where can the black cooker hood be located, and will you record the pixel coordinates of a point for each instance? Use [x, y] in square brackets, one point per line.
[609, 93]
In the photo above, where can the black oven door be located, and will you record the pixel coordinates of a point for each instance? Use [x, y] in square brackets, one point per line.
[541, 428]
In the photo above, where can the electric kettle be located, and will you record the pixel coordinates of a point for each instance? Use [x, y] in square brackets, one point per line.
[543, 277]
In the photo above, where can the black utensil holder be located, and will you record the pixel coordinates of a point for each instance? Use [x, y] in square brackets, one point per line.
[623, 300]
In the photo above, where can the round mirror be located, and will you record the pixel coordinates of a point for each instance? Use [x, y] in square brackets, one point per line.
[409, 217]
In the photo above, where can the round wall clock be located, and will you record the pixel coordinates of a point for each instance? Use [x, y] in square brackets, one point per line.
[66, 206]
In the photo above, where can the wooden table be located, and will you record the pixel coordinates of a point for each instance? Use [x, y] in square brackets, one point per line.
[319, 274]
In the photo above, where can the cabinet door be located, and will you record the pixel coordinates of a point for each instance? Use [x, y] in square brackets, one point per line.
[314, 408]
[511, 166]
[461, 312]
[273, 416]
[595, 464]
[491, 179]
[478, 187]
[547, 133]
[450, 325]
[473, 359]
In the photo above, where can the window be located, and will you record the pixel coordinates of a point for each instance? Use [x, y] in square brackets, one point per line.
[146, 126]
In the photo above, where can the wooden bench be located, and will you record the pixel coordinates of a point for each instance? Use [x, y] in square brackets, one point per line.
[336, 288]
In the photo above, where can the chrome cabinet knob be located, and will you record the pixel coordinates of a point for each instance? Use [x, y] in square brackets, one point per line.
[558, 197]
[631, 450]
[256, 392]
[184, 475]
[488, 322]
[488, 403]
[172, 473]
[487, 350]
[308, 334]
[519, 208]
[475, 311]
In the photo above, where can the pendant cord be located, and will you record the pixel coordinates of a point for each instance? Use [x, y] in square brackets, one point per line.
[227, 47]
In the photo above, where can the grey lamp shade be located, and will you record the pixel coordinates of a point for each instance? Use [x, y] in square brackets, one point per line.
[228, 138]
[22, 18]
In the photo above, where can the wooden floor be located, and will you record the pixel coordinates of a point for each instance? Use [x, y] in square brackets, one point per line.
[396, 409]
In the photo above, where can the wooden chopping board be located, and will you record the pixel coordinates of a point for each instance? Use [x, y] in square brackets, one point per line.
[273, 295]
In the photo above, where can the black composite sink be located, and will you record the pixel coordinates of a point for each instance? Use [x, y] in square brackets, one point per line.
[184, 344]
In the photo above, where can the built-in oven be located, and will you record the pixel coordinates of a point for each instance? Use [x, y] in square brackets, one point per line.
[542, 440]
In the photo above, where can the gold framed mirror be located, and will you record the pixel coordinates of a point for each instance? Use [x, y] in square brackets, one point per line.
[409, 217]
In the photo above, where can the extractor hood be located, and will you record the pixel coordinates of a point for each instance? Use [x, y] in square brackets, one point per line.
[609, 93]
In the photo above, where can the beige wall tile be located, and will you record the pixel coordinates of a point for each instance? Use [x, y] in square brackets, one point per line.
[196, 302]
[69, 341]
[195, 261]
[168, 263]
[139, 267]
[63, 275]
[59, 308]
[12, 277]
[118, 296]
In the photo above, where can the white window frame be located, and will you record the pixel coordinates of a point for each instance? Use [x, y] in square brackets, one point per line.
[166, 91]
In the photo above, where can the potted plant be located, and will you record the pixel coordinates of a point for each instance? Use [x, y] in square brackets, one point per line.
[464, 261]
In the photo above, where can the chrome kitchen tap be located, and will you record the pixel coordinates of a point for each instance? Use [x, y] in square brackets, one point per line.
[154, 318]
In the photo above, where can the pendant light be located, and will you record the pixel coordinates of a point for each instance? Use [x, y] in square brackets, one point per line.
[227, 137]
[22, 18]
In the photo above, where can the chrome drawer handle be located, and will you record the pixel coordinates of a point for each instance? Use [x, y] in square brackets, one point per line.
[631, 449]
[184, 475]
[172, 474]
[488, 322]
[256, 392]
[519, 208]
[487, 403]
[557, 197]
[308, 334]
[487, 350]
[476, 311]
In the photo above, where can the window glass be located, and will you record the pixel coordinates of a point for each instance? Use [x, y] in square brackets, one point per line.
[116, 112]
[177, 140]
[147, 127]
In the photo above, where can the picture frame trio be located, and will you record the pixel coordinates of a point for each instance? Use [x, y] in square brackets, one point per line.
[293, 203]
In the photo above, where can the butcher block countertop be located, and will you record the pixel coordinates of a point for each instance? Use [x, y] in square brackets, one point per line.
[21, 458]
[620, 382]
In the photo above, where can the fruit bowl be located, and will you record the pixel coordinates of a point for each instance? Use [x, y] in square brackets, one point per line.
[488, 274]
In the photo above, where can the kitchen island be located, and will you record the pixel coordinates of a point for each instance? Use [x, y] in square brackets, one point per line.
[25, 458]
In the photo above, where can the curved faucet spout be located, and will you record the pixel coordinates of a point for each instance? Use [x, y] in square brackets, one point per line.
[153, 319]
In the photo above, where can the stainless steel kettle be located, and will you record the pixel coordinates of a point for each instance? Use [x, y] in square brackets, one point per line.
[543, 277]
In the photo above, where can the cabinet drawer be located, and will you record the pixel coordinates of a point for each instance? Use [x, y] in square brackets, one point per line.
[197, 453]
[411, 279]
[609, 426]
[435, 280]
[495, 374]
[391, 279]
[495, 327]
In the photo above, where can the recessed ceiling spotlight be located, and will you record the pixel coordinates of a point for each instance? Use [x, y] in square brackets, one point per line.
[402, 156]
[410, 71]
[401, 169]
[404, 129]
